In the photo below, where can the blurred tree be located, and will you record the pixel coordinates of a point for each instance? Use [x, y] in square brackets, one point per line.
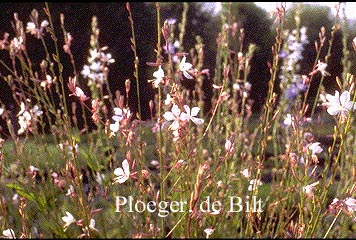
[258, 30]
[115, 32]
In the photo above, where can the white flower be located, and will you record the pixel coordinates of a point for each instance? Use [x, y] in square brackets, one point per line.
[175, 135]
[208, 231]
[75, 148]
[185, 67]
[79, 93]
[1, 111]
[191, 114]
[15, 198]
[174, 115]
[96, 66]
[350, 203]
[120, 114]
[168, 100]
[9, 233]
[122, 173]
[246, 173]
[248, 86]
[315, 148]
[33, 169]
[309, 189]
[70, 190]
[180, 163]
[339, 105]
[322, 68]
[92, 224]
[254, 183]
[24, 122]
[36, 111]
[93, 55]
[176, 44]
[68, 220]
[114, 127]
[31, 27]
[228, 146]
[44, 24]
[86, 71]
[288, 120]
[159, 75]
[220, 184]
[47, 82]
[22, 109]
[107, 58]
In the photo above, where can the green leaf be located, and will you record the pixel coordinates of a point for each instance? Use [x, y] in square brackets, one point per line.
[20, 191]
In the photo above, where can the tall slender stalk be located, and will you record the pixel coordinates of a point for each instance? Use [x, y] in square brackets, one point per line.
[136, 75]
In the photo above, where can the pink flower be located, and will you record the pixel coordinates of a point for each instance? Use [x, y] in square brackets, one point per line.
[76, 91]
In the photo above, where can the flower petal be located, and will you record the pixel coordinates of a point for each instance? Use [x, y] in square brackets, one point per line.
[197, 121]
[169, 116]
[344, 98]
[187, 75]
[175, 110]
[333, 110]
[195, 111]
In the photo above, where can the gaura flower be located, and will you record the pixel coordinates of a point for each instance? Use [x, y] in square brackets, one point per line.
[175, 116]
[92, 225]
[33, 169]
[121, 114]
[168, 100]
[339, 104]
[70, 191]
[76, 91]
[24, 122]
[315, 148]
[9, 233]
[351, 204]
[246, 173]
[309, 189]
[31, 27]
[185, 67]
[229, 146]
[191, 114]
[114, 127]
[208, 232]
[288, 120]
[348, 205]
[123, 173]
[159, 75]
[68, 220]
[320, 67]
[254, 183]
